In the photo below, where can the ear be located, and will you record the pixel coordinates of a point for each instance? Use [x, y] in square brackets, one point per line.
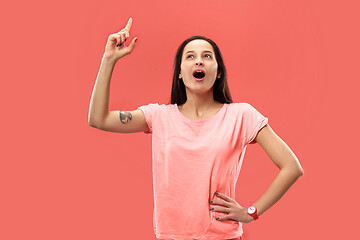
[219, 75]
[180, 75]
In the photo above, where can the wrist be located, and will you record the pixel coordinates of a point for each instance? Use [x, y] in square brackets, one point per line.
[108, 60]
[252, 212]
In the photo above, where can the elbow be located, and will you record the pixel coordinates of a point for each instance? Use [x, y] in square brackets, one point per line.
[91, 120]
[94, 121]
[299, 171]
[91, 124]
[295, 171]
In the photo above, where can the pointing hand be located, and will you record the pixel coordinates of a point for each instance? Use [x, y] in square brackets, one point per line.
[115, 47]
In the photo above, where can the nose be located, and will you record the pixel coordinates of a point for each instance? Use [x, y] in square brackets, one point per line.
[199, 63]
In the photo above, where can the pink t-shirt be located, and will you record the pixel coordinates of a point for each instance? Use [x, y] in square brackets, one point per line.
[191, 160]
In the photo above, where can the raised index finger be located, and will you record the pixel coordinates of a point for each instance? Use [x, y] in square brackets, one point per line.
[128, 25]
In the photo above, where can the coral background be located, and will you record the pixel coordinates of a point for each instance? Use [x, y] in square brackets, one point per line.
[296, 62]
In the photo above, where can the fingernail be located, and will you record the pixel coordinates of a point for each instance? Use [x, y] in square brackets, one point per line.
[211, 201]
[136, 39]
[217, 218]
[216, 193]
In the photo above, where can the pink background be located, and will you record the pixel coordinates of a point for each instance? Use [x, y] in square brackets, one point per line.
[294, 61]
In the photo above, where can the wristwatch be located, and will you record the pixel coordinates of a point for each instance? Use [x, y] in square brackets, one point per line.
[252, 211]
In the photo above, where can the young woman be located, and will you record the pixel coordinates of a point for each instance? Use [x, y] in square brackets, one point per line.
[199, 141]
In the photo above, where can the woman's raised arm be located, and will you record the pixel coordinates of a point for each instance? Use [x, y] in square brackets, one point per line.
[114, 50]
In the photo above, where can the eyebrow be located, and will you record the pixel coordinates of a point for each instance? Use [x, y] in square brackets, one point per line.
[203, 51]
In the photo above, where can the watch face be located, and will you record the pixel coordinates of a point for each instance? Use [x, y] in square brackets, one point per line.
[251, 210]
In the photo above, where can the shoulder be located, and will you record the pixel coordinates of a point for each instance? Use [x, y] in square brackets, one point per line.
[162, 108]
[156, 105]
[241, 106]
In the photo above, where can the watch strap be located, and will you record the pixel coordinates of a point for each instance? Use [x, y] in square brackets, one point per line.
[254, 214]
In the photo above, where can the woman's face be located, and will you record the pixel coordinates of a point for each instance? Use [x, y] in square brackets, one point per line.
[198, 54]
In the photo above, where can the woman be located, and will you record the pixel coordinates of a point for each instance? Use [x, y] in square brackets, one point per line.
[199, 142]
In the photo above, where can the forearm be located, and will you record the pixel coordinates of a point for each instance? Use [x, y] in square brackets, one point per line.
[282, 182]
[99, 104]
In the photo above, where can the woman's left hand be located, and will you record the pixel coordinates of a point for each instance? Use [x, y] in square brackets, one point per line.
[228, 205]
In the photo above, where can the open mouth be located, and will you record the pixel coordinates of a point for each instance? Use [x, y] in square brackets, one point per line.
[199, 74]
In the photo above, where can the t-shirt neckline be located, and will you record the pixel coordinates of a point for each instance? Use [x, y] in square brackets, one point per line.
[202, 120]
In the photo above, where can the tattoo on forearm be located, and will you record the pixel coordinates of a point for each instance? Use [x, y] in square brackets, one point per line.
[125, 117]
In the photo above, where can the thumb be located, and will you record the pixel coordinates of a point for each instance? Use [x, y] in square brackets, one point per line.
[132, 44]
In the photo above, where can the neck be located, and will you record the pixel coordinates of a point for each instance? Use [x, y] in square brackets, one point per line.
[199, 104]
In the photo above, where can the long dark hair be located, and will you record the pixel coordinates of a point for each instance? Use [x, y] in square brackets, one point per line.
[221, 90]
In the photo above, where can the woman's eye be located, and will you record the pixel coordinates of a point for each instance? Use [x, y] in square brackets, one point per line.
[205, 55]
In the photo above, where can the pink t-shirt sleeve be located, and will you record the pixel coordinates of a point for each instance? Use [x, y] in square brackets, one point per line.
[253, 121]
[149, 111]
